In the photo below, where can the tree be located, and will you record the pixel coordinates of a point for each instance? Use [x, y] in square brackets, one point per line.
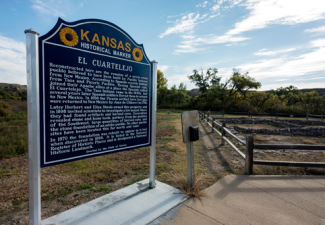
[162, 94]
[181, 95]
[284, 91]
[172, 94]
[242, 83]
[162, 90]
[204, 81]
[161, 80]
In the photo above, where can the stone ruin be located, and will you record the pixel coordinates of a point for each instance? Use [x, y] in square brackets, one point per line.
[286, 127]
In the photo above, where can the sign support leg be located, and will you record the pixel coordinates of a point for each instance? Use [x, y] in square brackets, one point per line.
[152, 173]
[34, 168]
[190, 163]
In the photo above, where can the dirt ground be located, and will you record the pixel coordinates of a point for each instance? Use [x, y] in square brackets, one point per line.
[230, 161]
[20, 214]
[255, 126]
[68, 185]
[221, 159]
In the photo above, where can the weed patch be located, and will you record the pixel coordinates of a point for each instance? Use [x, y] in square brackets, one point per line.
[180, 181]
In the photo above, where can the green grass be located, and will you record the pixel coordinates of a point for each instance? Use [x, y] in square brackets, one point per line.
[104, 188]
[13, 138]
[18, 209]
[86, 186]
[137, 179]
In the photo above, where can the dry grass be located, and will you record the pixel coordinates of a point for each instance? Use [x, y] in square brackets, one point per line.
[285, 170]
[74, 183]
[16, 105]
[180, 181]
[278, 139]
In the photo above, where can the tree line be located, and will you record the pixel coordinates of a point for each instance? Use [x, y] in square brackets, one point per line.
[239, 93]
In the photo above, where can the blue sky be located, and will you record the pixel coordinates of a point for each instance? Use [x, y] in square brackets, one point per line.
[279, 42]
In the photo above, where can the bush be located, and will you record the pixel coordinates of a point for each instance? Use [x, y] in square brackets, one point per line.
[13, 135]
[4, 109]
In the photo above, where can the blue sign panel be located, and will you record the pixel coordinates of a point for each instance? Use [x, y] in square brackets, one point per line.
[95, 92]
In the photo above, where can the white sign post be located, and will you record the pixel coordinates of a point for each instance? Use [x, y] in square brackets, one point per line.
[34, 168]
[189, 118]
[152, 173]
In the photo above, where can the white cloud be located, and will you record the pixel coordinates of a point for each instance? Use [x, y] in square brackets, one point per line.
[163, 68]
[235, 44]
[215, 7]
[190, 45]
[318, 43]
[227, 4]
[12, 61]
[318, 30]
[188, 36]
[48, 7]
[282, 67]
[313, 78]
[178, 15]
[203, 5]
[272, 53]
[267, 12]
[186, 49]
[177, 79]
[186, 23]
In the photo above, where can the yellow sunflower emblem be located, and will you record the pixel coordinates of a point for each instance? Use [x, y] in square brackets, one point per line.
[137, 54]
[69, 37]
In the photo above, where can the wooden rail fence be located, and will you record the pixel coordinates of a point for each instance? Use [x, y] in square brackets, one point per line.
[250, 146]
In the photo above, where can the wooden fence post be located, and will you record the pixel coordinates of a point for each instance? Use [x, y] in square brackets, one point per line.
[306, 116]
[223, 133]
[249, 155]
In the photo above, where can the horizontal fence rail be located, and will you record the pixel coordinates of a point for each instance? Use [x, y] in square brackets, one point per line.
[235, 137]
[234, 147]
[288, 163]
[301, 147]
[250, 146]
[223, 137]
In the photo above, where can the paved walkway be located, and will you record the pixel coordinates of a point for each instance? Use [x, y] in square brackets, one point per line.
[240, 199]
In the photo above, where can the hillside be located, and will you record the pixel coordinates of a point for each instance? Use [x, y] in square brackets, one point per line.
[193, 92]
[13, 87]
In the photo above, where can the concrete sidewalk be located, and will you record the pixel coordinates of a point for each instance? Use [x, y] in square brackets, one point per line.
[241, 199]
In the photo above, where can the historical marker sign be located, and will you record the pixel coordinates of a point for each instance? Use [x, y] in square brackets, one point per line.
[95, 92]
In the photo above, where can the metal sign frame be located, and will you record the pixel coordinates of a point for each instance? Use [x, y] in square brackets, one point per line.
[34, 129]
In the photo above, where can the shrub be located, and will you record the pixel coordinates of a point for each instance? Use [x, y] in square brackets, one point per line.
[4, 109]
